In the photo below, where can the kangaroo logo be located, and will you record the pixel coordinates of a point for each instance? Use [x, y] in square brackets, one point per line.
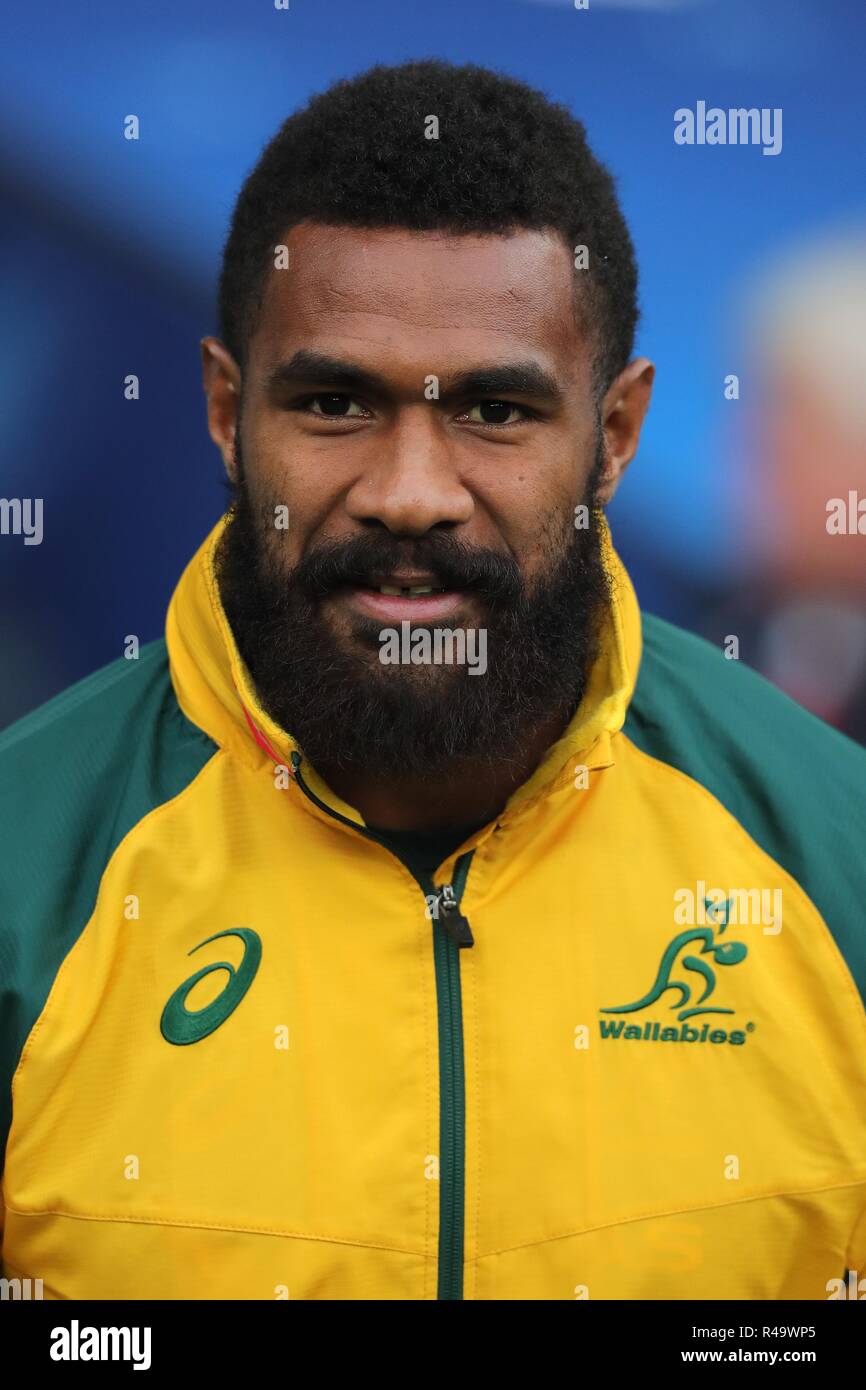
[724, 953]
[180, 1025]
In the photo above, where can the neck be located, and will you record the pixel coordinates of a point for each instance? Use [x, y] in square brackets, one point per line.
[469, 795]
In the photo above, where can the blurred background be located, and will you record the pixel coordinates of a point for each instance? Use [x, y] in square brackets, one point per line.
[752, 267]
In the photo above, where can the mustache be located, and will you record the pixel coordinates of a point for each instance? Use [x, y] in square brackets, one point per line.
[334, 564]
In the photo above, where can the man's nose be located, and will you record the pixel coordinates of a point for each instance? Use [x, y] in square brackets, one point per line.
[411, 481]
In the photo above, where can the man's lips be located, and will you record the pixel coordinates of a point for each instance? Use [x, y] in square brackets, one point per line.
[395, 608]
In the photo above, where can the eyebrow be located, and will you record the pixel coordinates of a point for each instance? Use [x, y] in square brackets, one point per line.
[499, 378]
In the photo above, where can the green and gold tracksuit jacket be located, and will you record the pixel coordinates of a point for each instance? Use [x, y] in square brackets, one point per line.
[615, 1048]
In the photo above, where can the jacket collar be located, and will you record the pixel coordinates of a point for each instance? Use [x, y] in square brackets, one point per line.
[215, 691]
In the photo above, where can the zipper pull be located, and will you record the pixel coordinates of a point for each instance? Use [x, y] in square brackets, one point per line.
[454, 922]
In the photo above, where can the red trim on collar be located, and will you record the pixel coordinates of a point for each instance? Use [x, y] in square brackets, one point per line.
[260, 738]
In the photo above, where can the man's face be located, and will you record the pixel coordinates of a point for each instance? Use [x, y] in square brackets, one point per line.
[420, 405]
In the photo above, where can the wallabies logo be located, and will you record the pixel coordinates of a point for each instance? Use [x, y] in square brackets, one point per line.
[672, 973]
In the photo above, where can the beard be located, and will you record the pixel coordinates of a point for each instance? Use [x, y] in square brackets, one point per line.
[330, 691]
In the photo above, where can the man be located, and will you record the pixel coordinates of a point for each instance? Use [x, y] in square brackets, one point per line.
[418, 922]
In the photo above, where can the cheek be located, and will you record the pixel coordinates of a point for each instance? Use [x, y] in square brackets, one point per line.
[532, 508]
[293, 497]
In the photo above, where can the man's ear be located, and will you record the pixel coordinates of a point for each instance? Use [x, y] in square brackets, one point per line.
[221, 379]
[622, 412]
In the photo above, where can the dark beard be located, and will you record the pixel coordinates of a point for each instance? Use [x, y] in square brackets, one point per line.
[345, 709]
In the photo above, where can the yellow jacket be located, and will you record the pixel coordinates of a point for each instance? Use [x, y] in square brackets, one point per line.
[248, 1057]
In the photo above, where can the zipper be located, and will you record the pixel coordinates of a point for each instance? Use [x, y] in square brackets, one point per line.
[451, 934]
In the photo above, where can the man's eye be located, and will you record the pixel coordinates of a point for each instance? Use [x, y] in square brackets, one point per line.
[496, 413]
[334, 406]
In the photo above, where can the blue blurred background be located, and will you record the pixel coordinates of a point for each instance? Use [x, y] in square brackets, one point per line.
[111, 250]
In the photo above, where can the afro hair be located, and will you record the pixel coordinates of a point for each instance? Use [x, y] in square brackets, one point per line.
[506, 158]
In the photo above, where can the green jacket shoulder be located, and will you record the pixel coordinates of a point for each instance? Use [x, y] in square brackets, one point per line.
[75, 776]
[797, 786]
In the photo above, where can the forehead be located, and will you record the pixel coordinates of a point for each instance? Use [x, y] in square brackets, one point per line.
[422, 300]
